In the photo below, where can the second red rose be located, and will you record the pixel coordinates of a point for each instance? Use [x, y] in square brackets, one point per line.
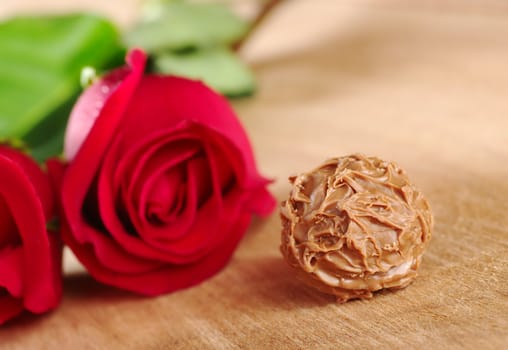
[161, 183]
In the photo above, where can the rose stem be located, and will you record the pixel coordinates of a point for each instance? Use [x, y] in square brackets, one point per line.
[258, 20]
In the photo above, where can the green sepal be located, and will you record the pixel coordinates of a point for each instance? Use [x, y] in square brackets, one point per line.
[40, 64]
[179, 26]
[219, 68]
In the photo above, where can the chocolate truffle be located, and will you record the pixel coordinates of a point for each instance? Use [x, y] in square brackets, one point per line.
[355, 225]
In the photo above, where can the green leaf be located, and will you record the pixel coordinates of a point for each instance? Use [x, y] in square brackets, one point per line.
[218, 67]
[180, 26]
[46, 138]
[40, 64]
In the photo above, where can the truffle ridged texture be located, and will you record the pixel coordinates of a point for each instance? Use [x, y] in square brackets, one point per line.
[355, 225]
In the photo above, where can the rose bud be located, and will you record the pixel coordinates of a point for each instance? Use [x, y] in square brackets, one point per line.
[161, 182]
[30, 257]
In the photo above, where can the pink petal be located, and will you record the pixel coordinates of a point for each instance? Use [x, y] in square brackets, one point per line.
[92, 101]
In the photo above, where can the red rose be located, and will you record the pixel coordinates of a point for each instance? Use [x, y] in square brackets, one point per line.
[30, 257]
[161, 184]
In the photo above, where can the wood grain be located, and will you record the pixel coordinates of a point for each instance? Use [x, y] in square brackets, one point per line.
[412, 82]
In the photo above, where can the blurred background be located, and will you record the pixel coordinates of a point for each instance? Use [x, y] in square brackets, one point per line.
[422, 82]
[45, 44]
[336, 77]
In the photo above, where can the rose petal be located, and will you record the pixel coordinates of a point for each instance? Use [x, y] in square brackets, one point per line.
[169, 278]
[11, 271]
[178, 244]
[163, 151]
[204, 184]
[173, 100]
[128, 163]
[185, 241]
[261, 202]
[124, 255]
[166, 157]
[105, 251]
[163, 237]
[9, 234]
[40, 292]
[116, 227]
[163, 198]
[81, 172]
[10, 307]
[176, 252]
[89, 105]
[109, 252]
[39, 181]
[87, 108]
[201, 237]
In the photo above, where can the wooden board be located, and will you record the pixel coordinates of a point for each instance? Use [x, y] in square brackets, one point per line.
[423, 84]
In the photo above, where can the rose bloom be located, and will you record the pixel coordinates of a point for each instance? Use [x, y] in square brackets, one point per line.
[161, 183]
[30, 257]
